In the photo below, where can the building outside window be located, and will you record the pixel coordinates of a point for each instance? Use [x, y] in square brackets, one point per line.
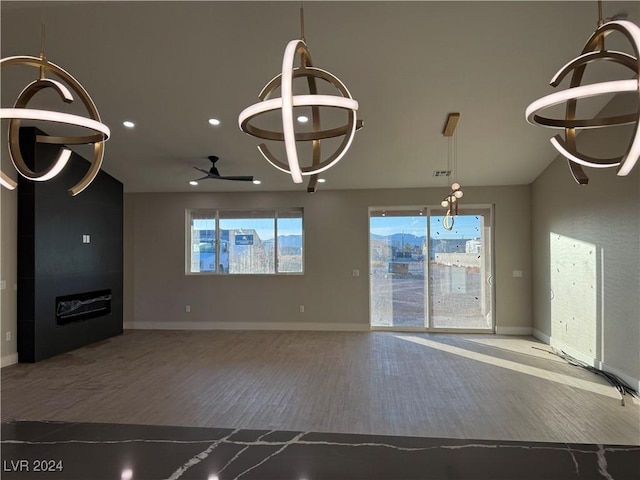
[245, 241]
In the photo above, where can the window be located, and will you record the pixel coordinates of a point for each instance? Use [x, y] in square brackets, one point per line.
[203, 242]
[289, 226]
[245, 241]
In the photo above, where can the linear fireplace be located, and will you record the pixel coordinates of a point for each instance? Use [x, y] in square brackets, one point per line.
[82, 306]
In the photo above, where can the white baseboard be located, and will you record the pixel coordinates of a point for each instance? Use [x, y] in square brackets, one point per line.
[565, 348]
[10, 359]
[543, 337]
[328, 327]
[628, 379]
[514, 330]
[594, 362]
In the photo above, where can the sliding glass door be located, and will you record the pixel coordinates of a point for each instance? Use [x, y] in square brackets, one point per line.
[397, 245]
[460, 273]
[424, 276]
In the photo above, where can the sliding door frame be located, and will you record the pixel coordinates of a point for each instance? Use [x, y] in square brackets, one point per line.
[489, 280]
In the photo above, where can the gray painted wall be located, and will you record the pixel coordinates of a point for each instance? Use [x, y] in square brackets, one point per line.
[604, 218]
[336, 242]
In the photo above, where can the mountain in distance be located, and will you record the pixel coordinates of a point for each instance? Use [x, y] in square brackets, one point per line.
[397, 239]
[294, 241]
[290, 241]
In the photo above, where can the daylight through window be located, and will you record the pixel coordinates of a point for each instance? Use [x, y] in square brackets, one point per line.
[245, 241]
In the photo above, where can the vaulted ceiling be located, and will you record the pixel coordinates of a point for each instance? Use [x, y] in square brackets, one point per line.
[170, 66]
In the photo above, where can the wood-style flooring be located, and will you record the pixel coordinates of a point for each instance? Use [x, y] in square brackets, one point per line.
[382, 383]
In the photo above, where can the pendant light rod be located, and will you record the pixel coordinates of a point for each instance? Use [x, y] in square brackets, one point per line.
[42, 23]
[42, 34]
[42, 69]
[455, 158]
[600, 23]
[302, 22]
[600, 20]
[42, 55]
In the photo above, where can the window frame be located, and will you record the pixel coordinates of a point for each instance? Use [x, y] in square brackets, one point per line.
[216, 214]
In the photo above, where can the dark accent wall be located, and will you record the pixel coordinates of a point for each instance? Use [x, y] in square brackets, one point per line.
[54, 262]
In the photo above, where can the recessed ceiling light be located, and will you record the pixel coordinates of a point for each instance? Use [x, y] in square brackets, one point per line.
[128, 124]
[321, 180]
[127, 474]
[193, 182]
[214, 121]
[303, 119]
[257, 182]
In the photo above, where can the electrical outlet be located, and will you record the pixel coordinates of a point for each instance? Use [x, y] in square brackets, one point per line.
[517, 273]
[7, 336]
[187, 308]
[3, 284]
[356, 273]
[301, 308]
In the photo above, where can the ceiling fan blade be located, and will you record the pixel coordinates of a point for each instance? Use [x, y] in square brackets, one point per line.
[215, 175]
[201, 178]
[237, 178]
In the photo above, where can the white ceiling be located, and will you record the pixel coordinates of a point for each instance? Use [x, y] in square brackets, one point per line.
[169, 66]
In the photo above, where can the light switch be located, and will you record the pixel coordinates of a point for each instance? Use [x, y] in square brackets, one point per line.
[517, 273]
[3, 284]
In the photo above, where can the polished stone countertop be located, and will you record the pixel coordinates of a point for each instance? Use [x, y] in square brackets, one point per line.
[93, 451]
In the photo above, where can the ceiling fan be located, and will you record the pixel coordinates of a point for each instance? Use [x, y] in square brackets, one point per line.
[215, 174]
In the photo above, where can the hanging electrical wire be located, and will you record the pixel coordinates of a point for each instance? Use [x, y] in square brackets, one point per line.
[450, 202]
[622, 388]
